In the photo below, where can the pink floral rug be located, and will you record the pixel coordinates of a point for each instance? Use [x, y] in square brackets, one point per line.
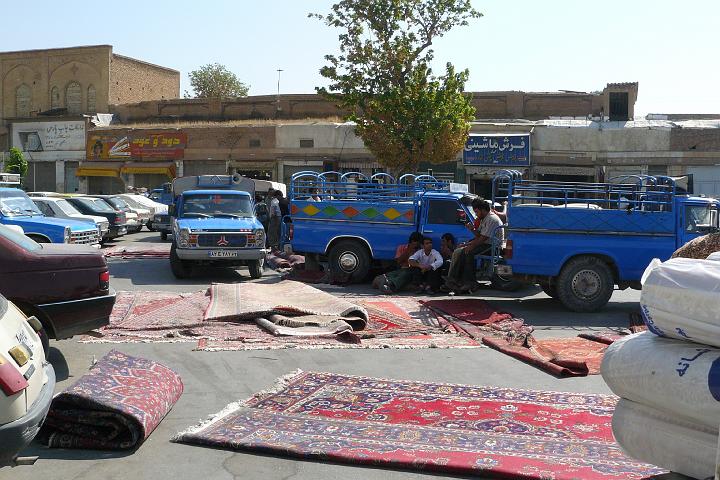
[138, 250]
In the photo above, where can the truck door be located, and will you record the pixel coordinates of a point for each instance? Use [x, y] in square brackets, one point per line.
[696, 220]
[444, 216]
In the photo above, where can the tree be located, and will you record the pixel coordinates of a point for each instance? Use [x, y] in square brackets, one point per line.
[16, 163]
[216, 81]
[382, 76]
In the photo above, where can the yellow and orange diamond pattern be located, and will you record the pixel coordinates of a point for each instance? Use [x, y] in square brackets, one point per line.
[350, 212]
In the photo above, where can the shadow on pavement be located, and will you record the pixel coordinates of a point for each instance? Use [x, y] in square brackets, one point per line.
[60, 365]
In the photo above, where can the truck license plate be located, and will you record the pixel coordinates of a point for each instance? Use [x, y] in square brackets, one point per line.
[222, 253]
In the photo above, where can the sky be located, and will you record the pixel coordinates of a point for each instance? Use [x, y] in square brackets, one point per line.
[669, 47]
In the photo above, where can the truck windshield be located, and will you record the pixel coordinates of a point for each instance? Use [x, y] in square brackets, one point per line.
[701, 219]
[19, 239]
[16, 203]
[67, 207]
[217, 205]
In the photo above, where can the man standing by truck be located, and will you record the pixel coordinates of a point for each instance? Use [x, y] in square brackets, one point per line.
[461, 275]
[275, 217]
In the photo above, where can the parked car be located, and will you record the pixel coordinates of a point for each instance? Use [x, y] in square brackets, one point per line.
[141, 202]
[27, 381]
[135, 217]
[16, 208]
[99, 207]
[44, 194]
[61, 208]
[67, 287]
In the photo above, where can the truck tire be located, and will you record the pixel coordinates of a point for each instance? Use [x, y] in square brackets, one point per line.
[505, 284]
[350, 261]
[180, 268]
[585, 284]
[163, 236]
[256, 268]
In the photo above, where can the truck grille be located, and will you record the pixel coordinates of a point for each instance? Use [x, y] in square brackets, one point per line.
[84, 238]
[219, 240]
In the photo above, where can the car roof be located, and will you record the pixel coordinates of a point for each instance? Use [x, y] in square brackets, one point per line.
[216, 192]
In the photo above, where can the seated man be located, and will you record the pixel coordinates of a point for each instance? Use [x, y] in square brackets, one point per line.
[426, 265]
[461, 275]
[397, 279]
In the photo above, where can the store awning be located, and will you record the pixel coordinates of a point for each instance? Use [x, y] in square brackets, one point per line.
[164, 168]
[98, 169]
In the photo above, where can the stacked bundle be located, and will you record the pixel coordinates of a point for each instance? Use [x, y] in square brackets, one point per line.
[669, 377]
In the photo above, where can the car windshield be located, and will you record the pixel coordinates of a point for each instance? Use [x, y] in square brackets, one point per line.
[16, 203]
[67, 207]
[19, 239]
[701, 219]
[217, 205]
[96, 204]
[118, 203]
[132, 202]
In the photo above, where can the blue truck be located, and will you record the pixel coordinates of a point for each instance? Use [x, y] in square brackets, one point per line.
[16, 208]
[578, 241]
[214, 224]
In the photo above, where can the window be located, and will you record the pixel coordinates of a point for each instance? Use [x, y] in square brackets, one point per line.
[701, 219]
[73, 98]
[443, 212]
[23, 99]
[54, 97]
[19, 239]
[30, 141]
[254, 143]
[45, 209]
[91, 99]
[619, 106]
[307, 143]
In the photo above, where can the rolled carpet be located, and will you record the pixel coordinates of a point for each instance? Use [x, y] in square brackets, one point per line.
[680, 378]
[115, 406]
[661, 439]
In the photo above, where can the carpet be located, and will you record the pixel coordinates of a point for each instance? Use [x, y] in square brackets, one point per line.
[563, 357]
[115, 406]
[138, 250]
[470, 310]
[255, 300]
[304, 326]
[454, 429]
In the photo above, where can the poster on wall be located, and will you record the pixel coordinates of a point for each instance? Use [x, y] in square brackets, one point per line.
[137, 145]
[507, 150]
[49, 136]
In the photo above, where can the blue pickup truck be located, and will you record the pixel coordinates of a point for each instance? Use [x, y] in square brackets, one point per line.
[16, 208]
[214, 224]
[580, 240]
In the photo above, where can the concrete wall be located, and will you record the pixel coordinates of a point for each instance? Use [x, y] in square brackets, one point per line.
[601, 138]
[334, 136]
[135, 81]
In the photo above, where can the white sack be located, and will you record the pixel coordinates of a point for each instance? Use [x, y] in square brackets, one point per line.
[680, 378]
[681, 299]
[657, 438]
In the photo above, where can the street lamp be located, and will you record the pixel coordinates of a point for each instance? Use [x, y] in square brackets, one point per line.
[277, 101]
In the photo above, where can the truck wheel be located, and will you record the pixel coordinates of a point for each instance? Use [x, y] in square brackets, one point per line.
[163, 236]
[505, 284]
[350, 260]
[256, 268]
[585, 284]
[179, 267]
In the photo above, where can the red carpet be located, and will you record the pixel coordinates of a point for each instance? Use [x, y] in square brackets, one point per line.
[115, 406]
[452, 429]
[471, 310]
[576, 357]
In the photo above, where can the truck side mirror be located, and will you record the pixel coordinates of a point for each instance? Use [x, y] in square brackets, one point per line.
[461, 216]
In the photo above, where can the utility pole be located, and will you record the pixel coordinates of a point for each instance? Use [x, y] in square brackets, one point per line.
[277, 98]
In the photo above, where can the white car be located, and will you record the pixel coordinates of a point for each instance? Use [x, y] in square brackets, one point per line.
[134, 222]
[27, 381]
[61, 208]
[140, 204]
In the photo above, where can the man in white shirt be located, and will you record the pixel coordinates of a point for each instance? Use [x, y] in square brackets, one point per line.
[273, 234]
[427, 264]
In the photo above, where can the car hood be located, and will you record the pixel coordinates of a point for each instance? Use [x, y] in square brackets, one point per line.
[219, 224]
[39, 221]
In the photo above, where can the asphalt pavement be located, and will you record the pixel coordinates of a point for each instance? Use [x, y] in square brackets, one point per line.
[214, 379]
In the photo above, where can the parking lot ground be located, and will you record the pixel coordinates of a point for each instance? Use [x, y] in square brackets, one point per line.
[214, 379]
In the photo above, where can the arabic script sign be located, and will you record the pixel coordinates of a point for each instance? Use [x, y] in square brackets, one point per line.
[166, 145]
[511, 150]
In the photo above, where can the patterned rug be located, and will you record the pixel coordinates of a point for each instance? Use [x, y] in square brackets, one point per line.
[563, 357]
[115, 406]
[457, 429]
[138, 250]
[470, 310]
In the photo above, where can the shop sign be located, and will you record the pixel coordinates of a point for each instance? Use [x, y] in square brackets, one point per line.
[136, 145]
[507, 150]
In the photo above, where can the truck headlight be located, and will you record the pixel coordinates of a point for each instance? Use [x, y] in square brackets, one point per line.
[66, 237]
[184, 238]
[259, 237]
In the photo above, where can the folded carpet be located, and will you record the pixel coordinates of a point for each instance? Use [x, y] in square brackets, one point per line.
[458, 429]
[115, 406]
[470, 310]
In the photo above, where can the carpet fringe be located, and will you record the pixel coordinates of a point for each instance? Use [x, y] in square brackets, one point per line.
[280, 384]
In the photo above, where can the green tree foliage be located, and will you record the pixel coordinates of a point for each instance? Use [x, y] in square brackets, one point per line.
[404, 113]
[16, 162]
[216, 81]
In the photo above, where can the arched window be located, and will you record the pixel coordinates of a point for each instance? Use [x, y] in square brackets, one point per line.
[23, 99]
[91, 104]
[54, 97]
[73, 98]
